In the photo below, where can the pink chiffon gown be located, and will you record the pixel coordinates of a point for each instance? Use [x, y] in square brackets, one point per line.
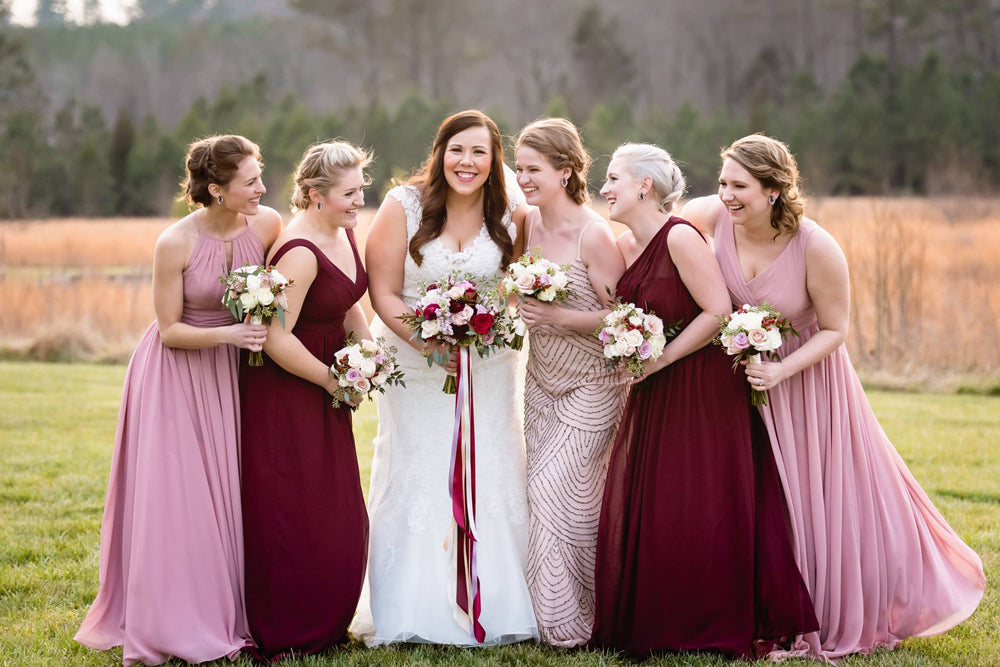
[171, 564]
[880, 561]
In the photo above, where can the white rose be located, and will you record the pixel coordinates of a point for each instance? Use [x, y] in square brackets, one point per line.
[560, 280]
[369, 345]
[368, 367]
[355, 358]
[612, 350]
[773, 339]
[248, 300]
[517, 270]
[658, 343]
[632, 338]
[264, 296]
[277, 278]
[538, 268]
[343, 382]
[547, 294]
[379, 379]
[430, 328]
[635, 319]
[753, 320]
[456, 292]
[253, 282]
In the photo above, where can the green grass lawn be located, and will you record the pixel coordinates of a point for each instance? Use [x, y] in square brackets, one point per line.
[57, 424]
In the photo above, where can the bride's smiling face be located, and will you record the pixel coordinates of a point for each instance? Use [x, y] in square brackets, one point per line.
[467, 159]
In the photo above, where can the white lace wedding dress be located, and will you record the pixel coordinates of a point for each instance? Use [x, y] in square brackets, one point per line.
[409, 508]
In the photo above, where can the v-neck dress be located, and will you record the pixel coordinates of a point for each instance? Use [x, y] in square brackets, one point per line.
[304, 518]
[693, 552]
[880, 561]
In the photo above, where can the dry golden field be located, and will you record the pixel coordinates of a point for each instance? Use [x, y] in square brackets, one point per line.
[925, 285]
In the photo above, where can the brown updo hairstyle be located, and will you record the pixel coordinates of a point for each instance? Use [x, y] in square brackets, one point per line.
[216, 160]
[770, 162]
[559, 142]
[430, 182]
[322, 166]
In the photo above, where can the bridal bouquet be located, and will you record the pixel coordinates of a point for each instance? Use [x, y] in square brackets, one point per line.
[537, 277]
[750, 331]
[364, 367]
[453, 311]
[631, 336]
[257, 291]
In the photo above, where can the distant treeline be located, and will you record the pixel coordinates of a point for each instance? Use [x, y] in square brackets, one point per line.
[920, 129]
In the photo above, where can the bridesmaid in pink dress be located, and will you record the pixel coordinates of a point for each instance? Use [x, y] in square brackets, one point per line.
[171, 567]
[880, 561]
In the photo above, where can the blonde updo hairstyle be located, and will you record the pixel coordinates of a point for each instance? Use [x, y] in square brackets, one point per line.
[322, 166]
[644, 160]
[559, 142]
[770, 162]
[216, 160]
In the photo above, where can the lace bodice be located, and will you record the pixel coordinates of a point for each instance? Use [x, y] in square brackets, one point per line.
[480, 260]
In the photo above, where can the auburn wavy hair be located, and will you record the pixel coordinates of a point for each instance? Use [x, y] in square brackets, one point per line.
[433, 187]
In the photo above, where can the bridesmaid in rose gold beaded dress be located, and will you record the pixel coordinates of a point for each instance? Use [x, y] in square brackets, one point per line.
[572, 401]
[880, 561]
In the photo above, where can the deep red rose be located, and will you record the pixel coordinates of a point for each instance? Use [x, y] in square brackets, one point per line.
[432, 286]
[430, 312]
[456, 306]
[471, 294]
[481, 322]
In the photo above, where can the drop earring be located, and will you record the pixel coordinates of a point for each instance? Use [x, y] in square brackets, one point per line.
[641, 196]
[771, 199]
[564, 182]
[319, 206]
[220, 199]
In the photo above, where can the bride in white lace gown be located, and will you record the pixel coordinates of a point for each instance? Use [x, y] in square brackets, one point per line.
[471, 228]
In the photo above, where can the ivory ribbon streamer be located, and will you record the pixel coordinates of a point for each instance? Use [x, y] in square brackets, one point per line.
[462, 490]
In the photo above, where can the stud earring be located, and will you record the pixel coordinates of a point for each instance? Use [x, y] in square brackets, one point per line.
[220, 199]
[564, 182]
[771, 199]
[642, 196]
[319, 206]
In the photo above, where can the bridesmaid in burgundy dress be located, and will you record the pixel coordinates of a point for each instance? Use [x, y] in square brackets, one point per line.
[693, 551]
[304, 520]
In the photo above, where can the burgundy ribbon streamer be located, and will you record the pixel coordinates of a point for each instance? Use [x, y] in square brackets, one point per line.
[462, 490]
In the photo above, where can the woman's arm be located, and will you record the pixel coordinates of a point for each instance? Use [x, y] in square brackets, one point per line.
[604, 267]
[169, 259]
[267, 226]
[300, 266]
[828, 284]
[702, 277]
[703, 212]
[356, 323]
[519, 217]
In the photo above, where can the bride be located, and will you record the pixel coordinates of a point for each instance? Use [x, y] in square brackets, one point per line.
[453, 215]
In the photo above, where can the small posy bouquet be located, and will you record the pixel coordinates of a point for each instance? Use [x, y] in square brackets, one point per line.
[750, 331]
[362, 368]
[453, 311]
[257, 292]
[631, 336]
[537, 277]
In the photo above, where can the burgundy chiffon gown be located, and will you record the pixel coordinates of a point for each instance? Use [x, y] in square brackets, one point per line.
[305, 525]
[693, 550]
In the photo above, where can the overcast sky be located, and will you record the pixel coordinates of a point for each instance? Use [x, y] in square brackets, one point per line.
[23, 11]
